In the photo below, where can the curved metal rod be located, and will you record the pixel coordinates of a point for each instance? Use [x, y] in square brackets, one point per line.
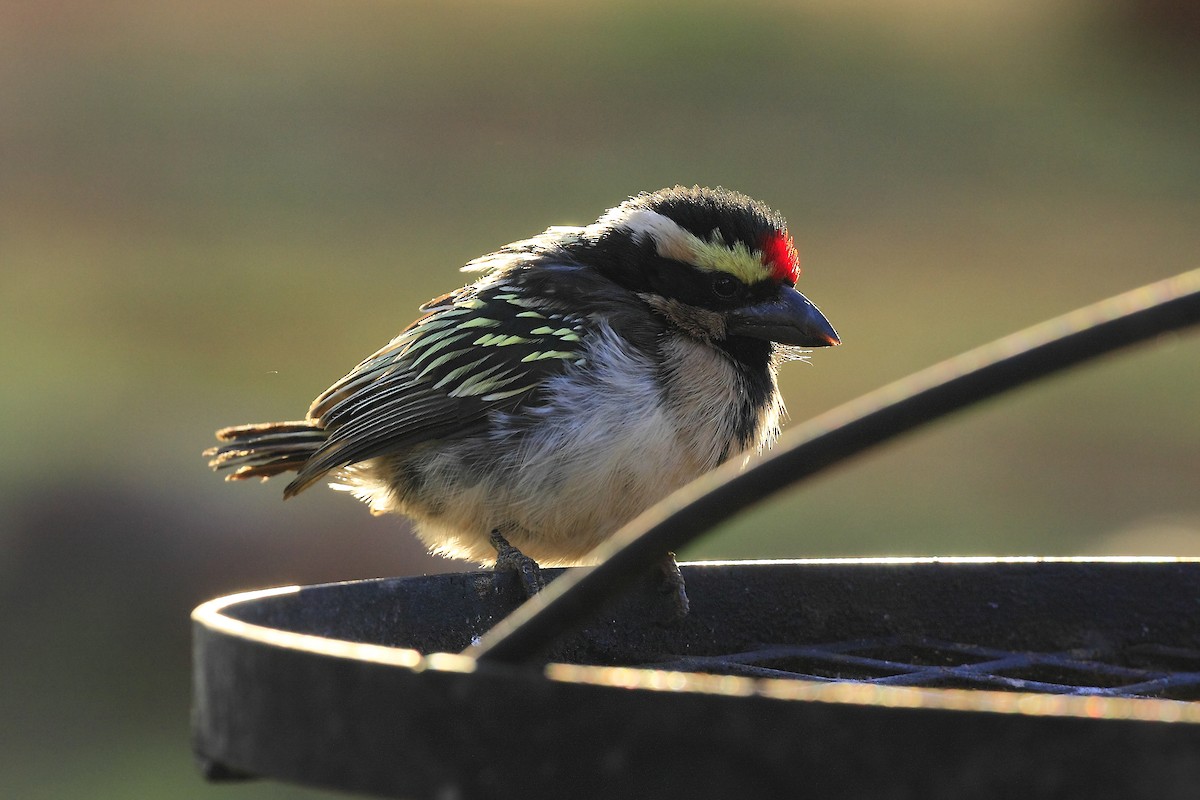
[832, 438]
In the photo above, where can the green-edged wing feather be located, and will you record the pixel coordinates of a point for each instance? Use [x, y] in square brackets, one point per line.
[477, 350]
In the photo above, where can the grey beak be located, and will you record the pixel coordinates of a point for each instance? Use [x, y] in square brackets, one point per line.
[788, 318]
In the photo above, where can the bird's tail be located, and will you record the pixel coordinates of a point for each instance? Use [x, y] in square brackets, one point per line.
[265, 449]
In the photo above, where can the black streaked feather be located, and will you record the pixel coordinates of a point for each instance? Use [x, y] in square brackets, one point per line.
[476, 351]
[265, 449]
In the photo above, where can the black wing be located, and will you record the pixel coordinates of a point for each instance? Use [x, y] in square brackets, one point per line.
[478, 350]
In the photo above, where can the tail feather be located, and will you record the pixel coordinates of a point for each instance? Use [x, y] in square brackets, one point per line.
[264, 449]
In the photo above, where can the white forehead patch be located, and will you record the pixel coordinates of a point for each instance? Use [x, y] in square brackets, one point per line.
[669, 239]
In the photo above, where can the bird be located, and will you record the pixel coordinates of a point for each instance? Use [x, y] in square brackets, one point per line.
[585, 374]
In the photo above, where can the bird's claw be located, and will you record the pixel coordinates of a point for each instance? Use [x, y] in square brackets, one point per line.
[672, 585]
[510, 559]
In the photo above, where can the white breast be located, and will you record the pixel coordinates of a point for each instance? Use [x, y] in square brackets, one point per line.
[609, 447]
[605, 448]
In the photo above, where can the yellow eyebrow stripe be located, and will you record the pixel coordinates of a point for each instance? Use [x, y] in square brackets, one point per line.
[712, 256]
[739, 261]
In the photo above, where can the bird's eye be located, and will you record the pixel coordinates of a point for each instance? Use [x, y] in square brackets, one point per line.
[725, 286]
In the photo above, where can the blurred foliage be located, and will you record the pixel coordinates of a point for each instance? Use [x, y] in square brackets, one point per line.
[209, 212]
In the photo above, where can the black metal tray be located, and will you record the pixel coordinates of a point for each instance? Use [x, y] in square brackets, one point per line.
[1051, 678]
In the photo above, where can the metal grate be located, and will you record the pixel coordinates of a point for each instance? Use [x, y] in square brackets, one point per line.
[1140, 671]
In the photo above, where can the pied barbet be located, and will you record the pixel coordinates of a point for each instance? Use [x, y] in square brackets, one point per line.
[586, 374]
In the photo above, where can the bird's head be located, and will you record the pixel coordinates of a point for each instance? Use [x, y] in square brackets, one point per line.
[718, 264]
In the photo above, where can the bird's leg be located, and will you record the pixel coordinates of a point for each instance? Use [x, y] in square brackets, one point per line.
[672, 586]
[510, 559]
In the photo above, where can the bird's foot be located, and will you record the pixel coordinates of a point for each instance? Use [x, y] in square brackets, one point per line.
[510, 559]
[672, 586]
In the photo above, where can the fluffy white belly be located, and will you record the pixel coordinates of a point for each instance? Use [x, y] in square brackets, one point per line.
[602, 450]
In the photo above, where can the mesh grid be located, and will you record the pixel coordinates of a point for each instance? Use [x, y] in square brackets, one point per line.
[1139, 671]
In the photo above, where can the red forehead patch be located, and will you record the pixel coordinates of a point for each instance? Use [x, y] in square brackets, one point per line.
[780, 255]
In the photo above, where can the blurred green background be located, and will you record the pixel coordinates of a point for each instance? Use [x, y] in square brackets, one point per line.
[208, 212]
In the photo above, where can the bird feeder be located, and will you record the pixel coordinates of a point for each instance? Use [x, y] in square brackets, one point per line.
[890, 678]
